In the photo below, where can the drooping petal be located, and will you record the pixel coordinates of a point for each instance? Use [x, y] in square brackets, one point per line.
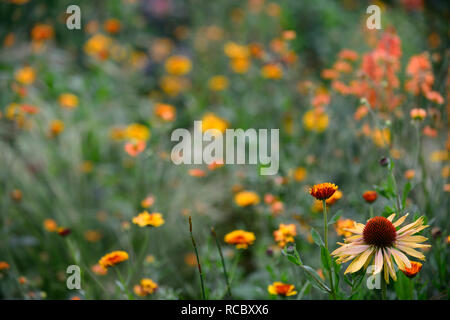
[359, 261]
[400, 259]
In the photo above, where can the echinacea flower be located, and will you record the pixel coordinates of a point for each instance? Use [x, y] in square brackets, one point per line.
[414, 270]
[282, 289]
[370, 196]
[145, 219]
[285, 234]
[145, 287]
[242, 239]
[323, 191]
[379, 240]
[246, 198]
[113, 258]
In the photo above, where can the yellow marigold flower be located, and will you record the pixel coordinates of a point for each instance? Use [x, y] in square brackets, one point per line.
[218, 83]
[370, 196]
[137, 132]
[285, 234]
[314, 120]
[440, 155]
[145, 219]
[418, 114]
[211, 121]
[334, 198]
[384, 242]
[50, 225]
[25, 76]
[272, 71]
[113, 258]
[4, 265]
[342, 225]
[178, 65]
[240, 65]
[323, 191]
[56, 127]
[68, 100]
[145, 287]
[242, 239]
[173, 85]
[282, 289]
[236, 51]
[246, 198]
[414, 270]
[165, 112]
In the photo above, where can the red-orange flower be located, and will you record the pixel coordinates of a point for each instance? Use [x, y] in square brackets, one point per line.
[113, 258]
[323, 191]
[370, 196]
[414, 270]
[134, 148]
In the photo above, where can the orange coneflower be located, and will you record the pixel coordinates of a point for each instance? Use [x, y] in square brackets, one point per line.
[145, 219]
[242, 239]
[282, 289]
[380, 240]
[414, 270]
[113, 258]
[323, 191]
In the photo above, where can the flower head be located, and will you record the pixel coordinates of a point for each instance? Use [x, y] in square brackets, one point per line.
[165, 112]
[145, 287]
[380, 241]
[145, 219]
[323, 191]
[370, 196]
[282, 289]
[285, 234]
[4, 265]
[414, 270]
[246, 198]
[134, 148]
[113, 258]
[68, 100]
[242, 239]
[178, 65]
[418, 114]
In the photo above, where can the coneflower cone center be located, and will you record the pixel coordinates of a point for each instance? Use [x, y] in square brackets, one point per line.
[379, 232]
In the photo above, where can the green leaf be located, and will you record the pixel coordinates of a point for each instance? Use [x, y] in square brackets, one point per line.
[325, 257]
[315, 279]
[316, 237]
[335, 218]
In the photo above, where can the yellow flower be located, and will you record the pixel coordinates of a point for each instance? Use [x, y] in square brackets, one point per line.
[300, 174]
[211, 121]
[68, 100]
[25, 76]
[165, 112]
[342, 225]
[282, 289]
[145, 287]
[137, 132]
[240, 65]
[246, 198]
[285, 234]
[323, 191]
[314, 120]
[145, 219]
[440, 155]
[218, 83]
[178, 65]
[98, 46]
[242, 239]
[113, 258]
[236, 51]
[56, 127]
[173, 85]
[381, 240]
[381, 138]
[272, 71]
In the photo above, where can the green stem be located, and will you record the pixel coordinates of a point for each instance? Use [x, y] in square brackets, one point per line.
[198, 259]
[371, 210]
[325, 227]
[397, 195]
[383, 288]
[124, 285]
[213, 232]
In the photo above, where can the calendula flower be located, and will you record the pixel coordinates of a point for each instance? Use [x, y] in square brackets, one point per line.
[137, 131]
[50, 225]
[148, 202]
[323, 191]
[68, 100]
[42, 32]
[211, 121]
[285, 234]
[218, 83]
[145, 219]
[4, 265]
[134, 148]
[178, 65]
[98, 46]
[380, 240]
[145, 287]
[315, 120]
[414, 270]
[300, 174]
[334, 198]
[240, 65]
[63, 231]
[25, 76]
[272, 71]
[418, 114]
[342, 225]
[246, 198]
[370, 196]
[242, 239]
[165, 112]
[56, 127]
[282, 289]
[113, 258]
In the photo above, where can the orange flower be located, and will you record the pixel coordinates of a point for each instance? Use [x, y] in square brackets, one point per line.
[25, 76]
[68, 100]
[41, 32]
[218, 83]
[145, 287]
[148, 202]
[197, 173]
[370, 196]
[414, 270]
[4, 265]
[113, 258]
[323, 191]
[56, 127]
[145, 219]
[334, 198]
[342, 225]
[242, 239]
[50, 225]
[62, 231]
[272, 71]
[246, 198]
[300, 174]
[112, 26]
[99, 270]
[165, 112]
[347, 54]
[282, 289]
[409, 174]
[134, 148]
[285, 234]
[418, 114]
[178, 65]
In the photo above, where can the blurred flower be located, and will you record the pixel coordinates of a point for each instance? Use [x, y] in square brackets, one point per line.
[273, 9]
[379, 240]
[68, 100]
[414, 270]
[342, 225]
[178, 65]
[42, 32]
[197, 173]
[315, 121]
[22, 280]
[99, 270]
[277, 207]
[236, 51]
[282, 289]
[148, 202]
[272, 71]
[289, 34]
[285, 234]
[347, 54]
[409, 174]
[242, 239]
[240, 65]
[113, 258]
[25, 75]
[320, 273]
[173, 85]
[381, 137]
[300, 174]
[418, 114]
[150, 259]
[165, 112]
[218, 83]
[370, 196]
[50, 225]
[211, 121]
[16, 195]
[190, 259]
[215, 165]
[430, 132]
[9, 40]
[323, 191]
[145, 219]
[93, 235]
[63, 231]
[361, 112]
[112, 26]
[98, 46]
[137, 132]
[439, 156]
[4, 265]
[246, 198]
[160, 49]
[145, 287]
[134, 148]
